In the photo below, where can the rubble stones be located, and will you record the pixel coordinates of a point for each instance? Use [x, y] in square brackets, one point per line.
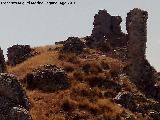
[2, 62]
[126, 99]
[19, 113]
[48, 78]
[136, 102]
[73, 44]
[154, 114]
[14, 104]
[18, 53]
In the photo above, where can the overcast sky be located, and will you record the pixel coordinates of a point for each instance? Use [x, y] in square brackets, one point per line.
[44, 24]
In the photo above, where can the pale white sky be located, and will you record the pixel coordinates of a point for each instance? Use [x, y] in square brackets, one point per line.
[43, 24]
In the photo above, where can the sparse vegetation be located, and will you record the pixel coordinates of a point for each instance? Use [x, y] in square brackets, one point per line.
[94, 83]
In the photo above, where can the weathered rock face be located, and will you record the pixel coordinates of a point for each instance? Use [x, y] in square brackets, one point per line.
[73, 44]
[2, 62]
[14, 104]
[136, 23]
[47, 78]
[18, 53]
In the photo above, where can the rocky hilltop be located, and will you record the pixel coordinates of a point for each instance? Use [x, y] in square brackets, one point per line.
[104, 76]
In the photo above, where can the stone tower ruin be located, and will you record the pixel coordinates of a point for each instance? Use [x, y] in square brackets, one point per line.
[136, 25]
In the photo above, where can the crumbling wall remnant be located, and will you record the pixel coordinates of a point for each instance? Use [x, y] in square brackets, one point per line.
[105, 24]
[2, 62]
[18, 53]
[107, 30]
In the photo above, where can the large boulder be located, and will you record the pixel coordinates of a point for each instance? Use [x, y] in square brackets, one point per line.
[48, 78]
[11, 88]
[73, 44]
[11, 111]
[14, 104]
[18, 53]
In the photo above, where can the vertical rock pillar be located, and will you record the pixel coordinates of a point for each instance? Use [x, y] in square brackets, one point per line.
[136, 25]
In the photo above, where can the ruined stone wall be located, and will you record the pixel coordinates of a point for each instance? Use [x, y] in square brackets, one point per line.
[136, 25]
[2, 62]
[107, 30]
[105, 24]
[18, 53]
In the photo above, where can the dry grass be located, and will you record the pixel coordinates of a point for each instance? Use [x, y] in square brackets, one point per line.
[44, 58]
[82, 100]
[46, 105]
[68, 67]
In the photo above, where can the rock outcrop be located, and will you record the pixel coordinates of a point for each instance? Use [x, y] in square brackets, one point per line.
[138, 103]
[14, 104]
[47, 78]
[18, 53]
[2, 62]
[73, 44]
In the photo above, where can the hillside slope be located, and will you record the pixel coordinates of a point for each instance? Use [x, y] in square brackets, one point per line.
[104, 76]
[91, 94]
